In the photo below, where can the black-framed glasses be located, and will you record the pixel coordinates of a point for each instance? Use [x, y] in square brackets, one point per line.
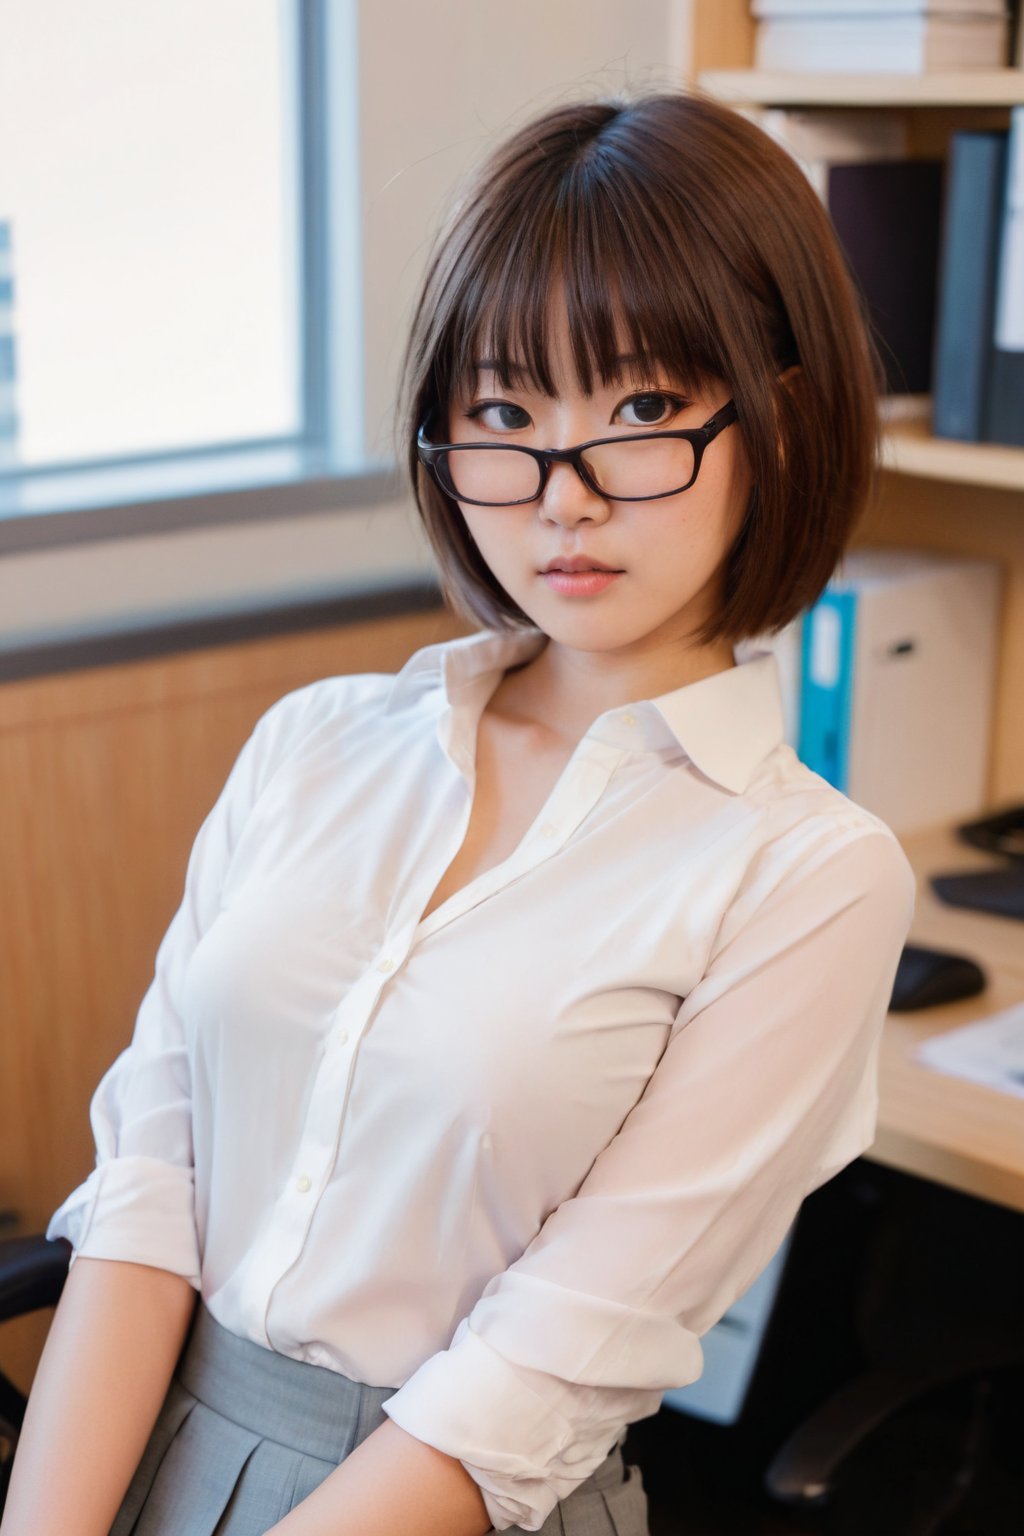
[642, 467]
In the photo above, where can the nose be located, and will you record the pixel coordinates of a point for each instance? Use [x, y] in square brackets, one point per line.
[568, 500]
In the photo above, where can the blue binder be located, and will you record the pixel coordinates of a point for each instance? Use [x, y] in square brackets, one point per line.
[826, 685]
[970, 251]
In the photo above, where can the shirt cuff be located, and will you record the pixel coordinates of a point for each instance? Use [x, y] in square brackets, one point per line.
[137, 1209]
[496, 1419]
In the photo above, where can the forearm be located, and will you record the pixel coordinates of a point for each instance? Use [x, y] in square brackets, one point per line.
[391, 1482]
[102, 1378]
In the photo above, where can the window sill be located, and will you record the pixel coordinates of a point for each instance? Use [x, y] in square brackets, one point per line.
[45, 509]
[146, 641]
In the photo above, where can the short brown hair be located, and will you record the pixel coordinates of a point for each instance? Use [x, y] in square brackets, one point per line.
[674, 223]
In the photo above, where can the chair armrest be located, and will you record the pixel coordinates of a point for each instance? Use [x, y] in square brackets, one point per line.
[802, 1471]
[32, 1273]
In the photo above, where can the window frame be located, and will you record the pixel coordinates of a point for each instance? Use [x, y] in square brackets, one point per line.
[322, 466]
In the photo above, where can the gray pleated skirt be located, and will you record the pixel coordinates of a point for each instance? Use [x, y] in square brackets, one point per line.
[245, 1434]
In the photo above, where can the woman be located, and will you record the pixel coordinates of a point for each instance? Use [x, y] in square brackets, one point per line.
[515, 1002]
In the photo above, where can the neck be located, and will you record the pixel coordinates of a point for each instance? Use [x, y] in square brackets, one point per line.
[566, 690]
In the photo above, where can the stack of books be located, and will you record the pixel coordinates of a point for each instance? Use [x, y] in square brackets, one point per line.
[896, 36]
[937, 250]
[8, 415]
[979, 341]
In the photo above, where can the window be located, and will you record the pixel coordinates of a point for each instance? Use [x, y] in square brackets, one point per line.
[149, 197]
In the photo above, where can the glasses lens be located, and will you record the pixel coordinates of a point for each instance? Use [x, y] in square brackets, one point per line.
[645, 466]
[494, 476]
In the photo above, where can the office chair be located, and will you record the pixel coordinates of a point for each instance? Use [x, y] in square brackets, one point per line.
[887, 1397]
[932, 1417]
[32, 1275]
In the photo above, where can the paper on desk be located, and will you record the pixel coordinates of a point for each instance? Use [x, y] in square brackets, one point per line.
[989, 1052]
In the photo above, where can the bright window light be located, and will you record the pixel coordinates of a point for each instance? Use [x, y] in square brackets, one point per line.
[149, 184]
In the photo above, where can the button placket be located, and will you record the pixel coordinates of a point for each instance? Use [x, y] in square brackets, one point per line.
[283, 1239]
[316, 1155]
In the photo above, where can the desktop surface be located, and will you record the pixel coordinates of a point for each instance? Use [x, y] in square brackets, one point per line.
[939, 1127]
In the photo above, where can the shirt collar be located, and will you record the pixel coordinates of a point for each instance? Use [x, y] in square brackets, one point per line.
[729, 722]
[726, 724]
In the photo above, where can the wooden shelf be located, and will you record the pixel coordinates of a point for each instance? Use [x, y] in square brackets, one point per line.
[908, 448]
[791, 88]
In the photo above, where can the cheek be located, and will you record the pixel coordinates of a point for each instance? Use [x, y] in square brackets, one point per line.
[493, 543]
[729, 491]
[475, 527]
[689, 550]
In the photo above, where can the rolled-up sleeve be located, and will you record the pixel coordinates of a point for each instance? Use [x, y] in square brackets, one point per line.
[766, 1088]
[138, 1203]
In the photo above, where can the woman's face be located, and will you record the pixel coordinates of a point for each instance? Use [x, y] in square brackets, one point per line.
[670, 553]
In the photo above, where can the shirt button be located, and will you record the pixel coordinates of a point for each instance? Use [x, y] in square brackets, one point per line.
[628, 720]
[304, 1184]
[547, 830]
[385, 965]
[343, 1038]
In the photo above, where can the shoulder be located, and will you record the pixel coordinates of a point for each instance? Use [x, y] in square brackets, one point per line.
[308, 714]
[810, 830]
[325, 701]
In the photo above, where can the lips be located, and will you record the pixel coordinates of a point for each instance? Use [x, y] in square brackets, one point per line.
[579, 563]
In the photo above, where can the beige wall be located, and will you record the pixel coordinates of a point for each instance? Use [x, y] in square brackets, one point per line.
[468, 72]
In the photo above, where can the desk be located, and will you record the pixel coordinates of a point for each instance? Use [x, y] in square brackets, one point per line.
[942, 1128]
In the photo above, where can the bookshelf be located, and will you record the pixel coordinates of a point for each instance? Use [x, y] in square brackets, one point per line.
[935, 493]
[909, 447]
[960, 498]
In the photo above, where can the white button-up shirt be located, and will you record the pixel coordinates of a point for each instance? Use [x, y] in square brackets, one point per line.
[516, 1157]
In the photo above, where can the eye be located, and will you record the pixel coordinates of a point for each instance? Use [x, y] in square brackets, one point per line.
[652, 408]
[499, 415]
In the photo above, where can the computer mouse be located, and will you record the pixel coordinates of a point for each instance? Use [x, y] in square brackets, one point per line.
[927, 977]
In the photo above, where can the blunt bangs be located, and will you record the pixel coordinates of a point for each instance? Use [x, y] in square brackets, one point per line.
[575, 229]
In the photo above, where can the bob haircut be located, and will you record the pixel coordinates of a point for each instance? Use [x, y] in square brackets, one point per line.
[673, 225]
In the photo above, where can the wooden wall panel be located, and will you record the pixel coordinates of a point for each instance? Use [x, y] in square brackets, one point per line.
[105, 776]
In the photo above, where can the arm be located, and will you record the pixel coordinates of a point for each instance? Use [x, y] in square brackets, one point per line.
[138, 1204]
[391, 1482]
[105, 1369]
